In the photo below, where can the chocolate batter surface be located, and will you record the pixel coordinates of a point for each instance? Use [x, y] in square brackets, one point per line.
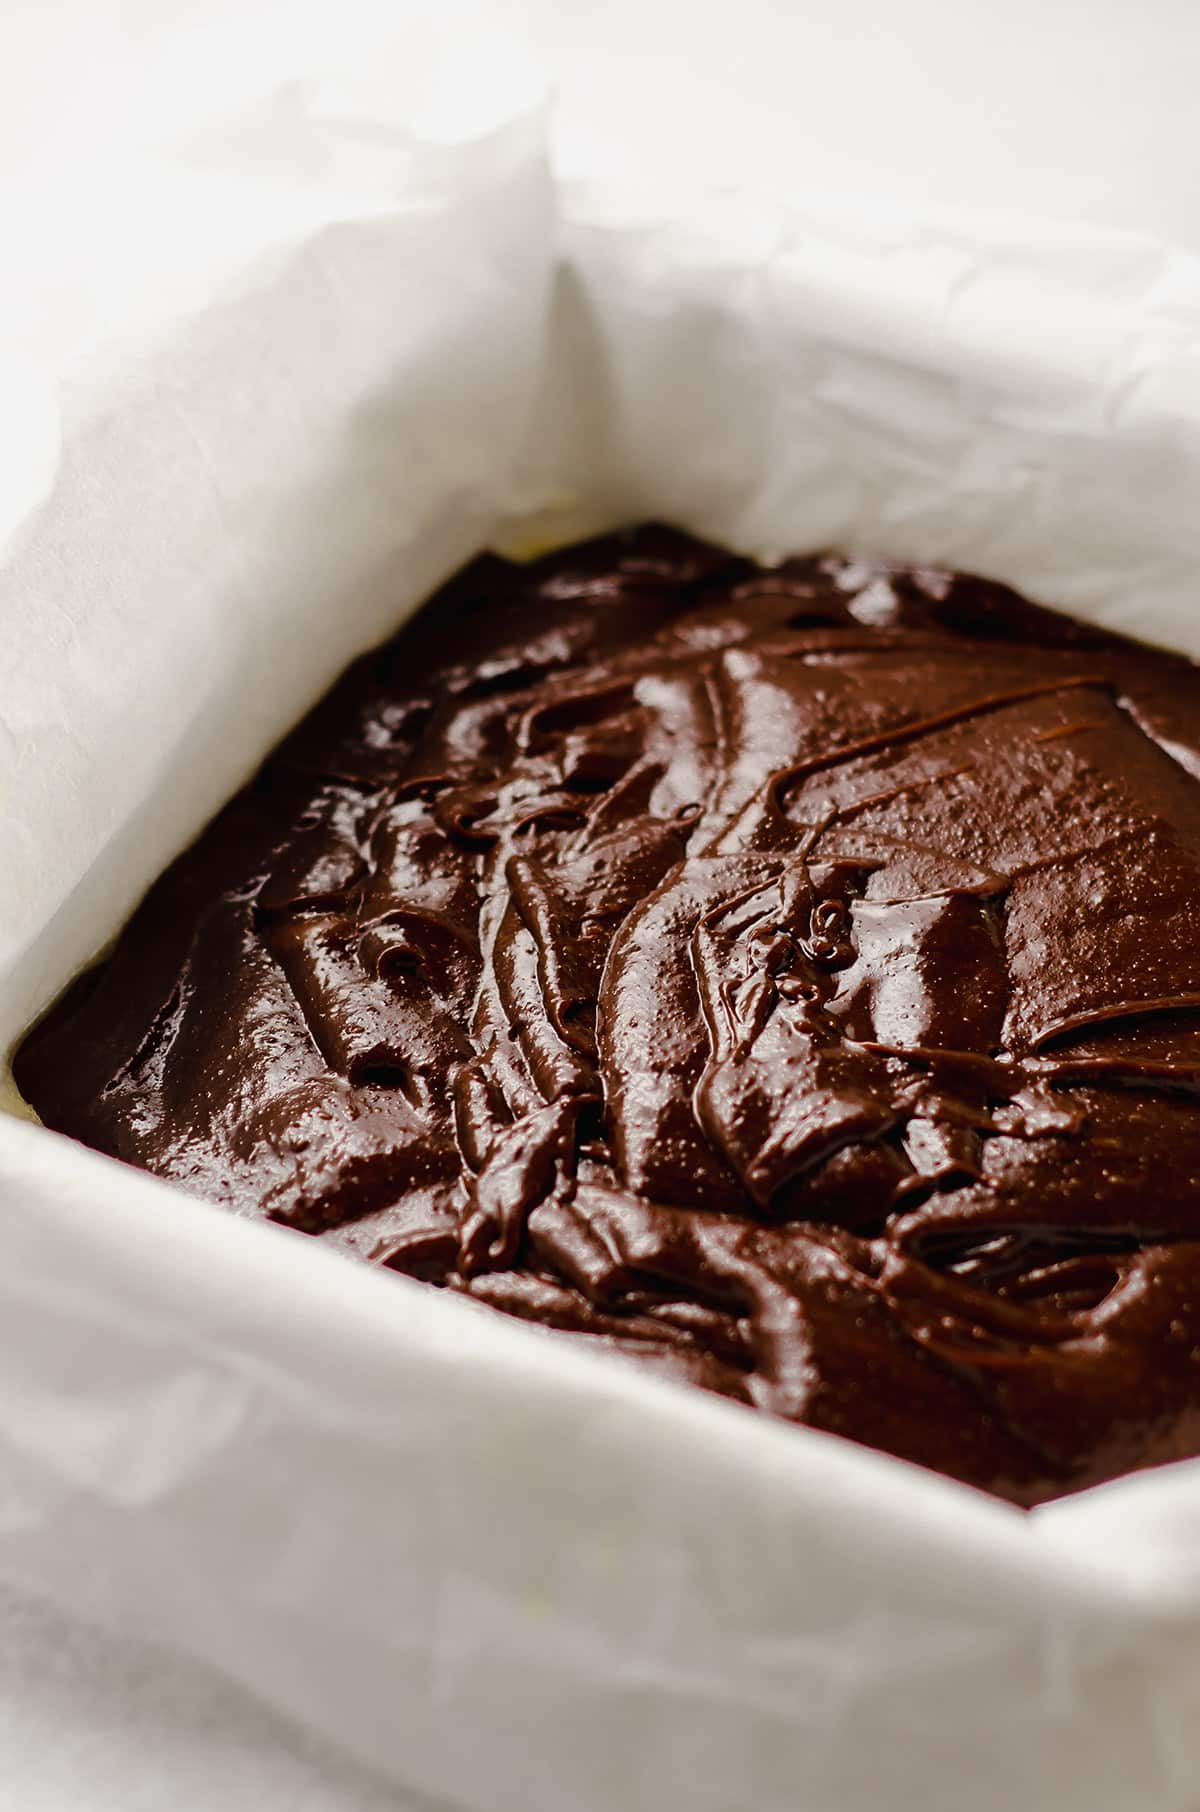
[789, 978]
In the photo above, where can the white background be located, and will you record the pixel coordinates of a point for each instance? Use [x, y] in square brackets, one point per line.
[1075, 108]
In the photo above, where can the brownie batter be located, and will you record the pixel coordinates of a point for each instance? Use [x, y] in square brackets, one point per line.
[788, 978]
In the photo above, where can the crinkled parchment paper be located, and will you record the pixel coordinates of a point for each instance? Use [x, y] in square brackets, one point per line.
[310, 325]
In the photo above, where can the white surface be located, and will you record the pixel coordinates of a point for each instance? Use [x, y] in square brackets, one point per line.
[1081, 108]
[1078, 108]
[1078, 139]
[101, 1723]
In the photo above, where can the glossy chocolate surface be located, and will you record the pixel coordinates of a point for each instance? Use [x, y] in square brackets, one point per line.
[789, 979]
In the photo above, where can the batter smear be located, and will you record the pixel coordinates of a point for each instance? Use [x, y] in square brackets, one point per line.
[788, 978]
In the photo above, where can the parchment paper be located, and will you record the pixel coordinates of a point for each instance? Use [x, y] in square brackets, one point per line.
[310, 322]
